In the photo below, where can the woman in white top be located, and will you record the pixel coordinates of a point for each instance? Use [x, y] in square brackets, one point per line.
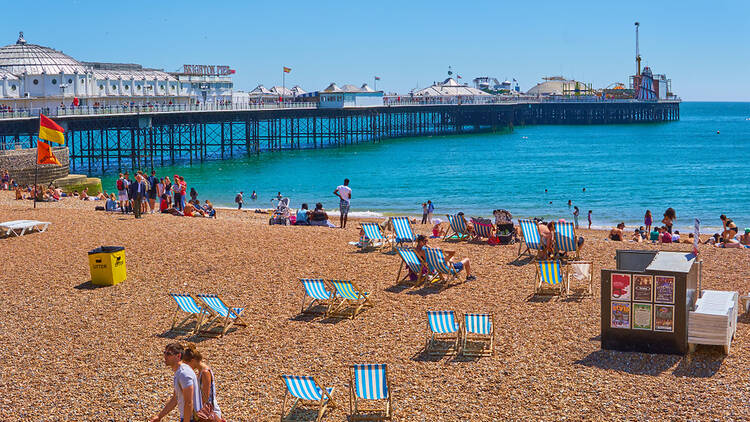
[205, 377]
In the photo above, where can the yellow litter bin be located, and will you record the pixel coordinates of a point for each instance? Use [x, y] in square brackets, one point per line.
[107, 265]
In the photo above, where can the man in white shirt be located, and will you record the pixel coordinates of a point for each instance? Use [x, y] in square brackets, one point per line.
[187, 393]
[344, 192]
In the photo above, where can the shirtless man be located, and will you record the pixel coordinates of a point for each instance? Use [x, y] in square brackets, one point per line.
[545, 233]
[616, 233]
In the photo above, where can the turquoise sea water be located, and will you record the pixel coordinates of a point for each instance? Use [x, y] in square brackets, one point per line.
[625, 169]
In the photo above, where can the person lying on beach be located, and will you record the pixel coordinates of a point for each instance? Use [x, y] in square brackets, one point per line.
[319, 217]
[688, 240]
[84, 194]
[616, 233]
[458, 265]
[713, 239]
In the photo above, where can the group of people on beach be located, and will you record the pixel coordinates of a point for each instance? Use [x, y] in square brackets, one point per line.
[139, 196]
[194, 385]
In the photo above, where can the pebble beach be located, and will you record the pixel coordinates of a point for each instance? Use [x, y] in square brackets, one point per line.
[73, 351]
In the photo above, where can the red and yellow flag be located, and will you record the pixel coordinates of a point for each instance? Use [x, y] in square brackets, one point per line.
[50, 131]
[44, 154]
[287, 69]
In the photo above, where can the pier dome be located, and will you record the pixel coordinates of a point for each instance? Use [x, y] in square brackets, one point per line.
[36, 59]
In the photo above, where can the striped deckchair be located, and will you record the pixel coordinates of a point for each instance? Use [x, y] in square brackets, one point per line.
[581, 271]
[315, 288]
[530, 238]
[373, 236]
[404, 232]
[442, 327]
[413, 264]
[444, 270]
[478, 335]
[369, 382]
[307, 393]
[349, 300]
[549, 278]
[482, 230]
[225, 316]
[457, 227]
[187, 304]
[566, 240]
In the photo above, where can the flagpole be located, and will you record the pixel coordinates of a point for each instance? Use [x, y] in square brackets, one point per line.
[375, 82]
[283, 84]
[36, 170]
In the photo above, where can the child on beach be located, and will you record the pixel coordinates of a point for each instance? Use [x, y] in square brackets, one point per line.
[576, 211]
[437, 230]
[647, 220]
[589, 218]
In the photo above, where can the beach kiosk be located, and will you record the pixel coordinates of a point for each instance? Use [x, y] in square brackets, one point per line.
[645, 301]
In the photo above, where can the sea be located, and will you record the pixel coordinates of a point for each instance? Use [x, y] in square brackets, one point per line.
[699, 165]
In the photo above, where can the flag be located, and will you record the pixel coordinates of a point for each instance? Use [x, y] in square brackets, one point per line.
[232, 71]
[287, 69]
[50, 131]
[377, 78]
[458, 76]
[44, 154]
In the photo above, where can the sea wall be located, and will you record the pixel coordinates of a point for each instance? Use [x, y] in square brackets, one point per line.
[21, 165]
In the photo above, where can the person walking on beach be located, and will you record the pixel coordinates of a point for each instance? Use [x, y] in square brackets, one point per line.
[424, 212]
[648, 220]
[206, 380]
[576, 211]
[153, 190]
[187, 393]
[238, 200]
[122, 192]
[138, 193]
[177, 193]
[430, 210]
[344, 192]
[589, 219]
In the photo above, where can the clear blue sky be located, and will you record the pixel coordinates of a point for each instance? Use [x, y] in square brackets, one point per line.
[703, 47]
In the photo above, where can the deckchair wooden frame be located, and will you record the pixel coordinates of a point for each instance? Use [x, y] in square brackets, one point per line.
[315, 302]
[197, 317]
[487, 341]
[461, 236]
[522, 242]
[542, 287]
[433, 339]
[323, 404]
[359, 413]
[421, 278]
[577, 252]
[569, 277]
[230, 320]
[348, 308]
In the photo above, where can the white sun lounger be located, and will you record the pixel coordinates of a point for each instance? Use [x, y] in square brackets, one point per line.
[21, 227]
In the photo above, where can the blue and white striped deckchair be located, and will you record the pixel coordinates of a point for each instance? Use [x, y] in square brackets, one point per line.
[530, 237]
[351, 299]
[479, 329]
[444, 270]
[307, 392]
[482, 230]
[230, 316]
[187, 304]
[442, 327]
[565, 239]
[404, 233]
[414, 265]
[458, 227]
[369, 382]
[315, 288]
[373, 236]
[549, 278]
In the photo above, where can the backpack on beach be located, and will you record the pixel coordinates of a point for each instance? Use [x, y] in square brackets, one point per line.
[120, 184]
[238, 198]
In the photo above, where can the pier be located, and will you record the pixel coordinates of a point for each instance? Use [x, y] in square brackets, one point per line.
[109, 139]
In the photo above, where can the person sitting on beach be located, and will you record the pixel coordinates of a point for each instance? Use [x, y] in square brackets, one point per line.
[209, 209]
[319, 217]
[547, 237]
[689, 239]
[637, 236]
[206, 380]
[458, 265]
[84, 194]
[666, 236]
[303, 216]
[19, 193]
[730, 228]
[111, 204]
[745, 238]
[616, 233]
[437, 230]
